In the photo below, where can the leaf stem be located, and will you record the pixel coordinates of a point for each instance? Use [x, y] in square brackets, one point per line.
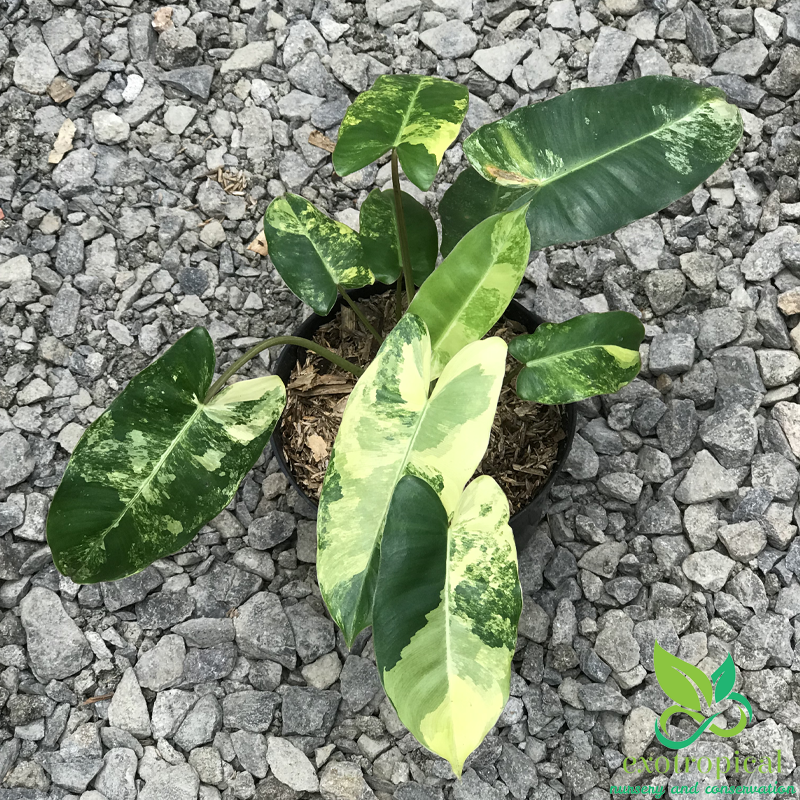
[398, 298]
[360, 314]
[295, 340]
[401, 228]
[512, 373]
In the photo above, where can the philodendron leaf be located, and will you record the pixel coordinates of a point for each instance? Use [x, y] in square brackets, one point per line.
[723, 678]
[473, 286]
[158, 464]
[393, 425]
[470, 200]
[671, 674]
[313, 253]
[380, 238]
[587, 355]
[595, 159]
[446, 610]
[418, 115]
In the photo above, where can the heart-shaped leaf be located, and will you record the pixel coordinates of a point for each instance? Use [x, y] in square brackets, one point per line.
[392, 425]
[417, 115]
[595, 159]
[585, 356]
[158, 464]
[380, 237]
[673, 676]
[313, 253]
[473, 286]
[446, 610]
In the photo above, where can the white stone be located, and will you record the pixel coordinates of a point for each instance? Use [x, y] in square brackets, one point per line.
[497, 62]
[14, 270]
[643, 243]
[291, 766]
[192, 305]
[251, 56]
[119, 332]
[70, 435]
[133, 88]
[709, 569]
[213, 234]
[332, 30]
[178, 118]
[788, 416]
[109, 128]
[35, 69]
[128, 709]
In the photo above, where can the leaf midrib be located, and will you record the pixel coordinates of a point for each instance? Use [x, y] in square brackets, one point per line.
[564, 353]
[407, 115]
[156, 468]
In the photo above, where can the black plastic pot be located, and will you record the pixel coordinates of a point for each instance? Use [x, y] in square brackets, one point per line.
[524, 522]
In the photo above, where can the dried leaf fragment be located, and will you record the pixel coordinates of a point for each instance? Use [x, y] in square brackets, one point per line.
[319, 139]
[162, 19]
[60, 90]
[317, 446]
[259, 244]
[63, 142]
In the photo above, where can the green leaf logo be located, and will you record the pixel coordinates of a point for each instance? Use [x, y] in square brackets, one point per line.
[688, 686]
[673, 674]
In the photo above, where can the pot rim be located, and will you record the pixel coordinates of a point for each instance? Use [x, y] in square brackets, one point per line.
[290, 353]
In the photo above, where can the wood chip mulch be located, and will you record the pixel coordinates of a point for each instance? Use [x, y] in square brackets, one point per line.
[523, 446]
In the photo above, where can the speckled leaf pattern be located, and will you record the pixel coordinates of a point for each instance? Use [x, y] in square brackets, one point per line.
[473, 286]
[469, 201]
[158, 464]
[380, 238]
[595, 159]
[418, 115]
[582, 357]
[446, 614]
[394, 425]
[313, 253]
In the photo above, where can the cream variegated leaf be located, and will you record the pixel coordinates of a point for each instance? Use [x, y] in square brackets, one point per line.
[313, 253]
[594, 159]
[446, 610]
[394, 425]
[418, 115]
[473, 286]
[158, 464]
[587, 355]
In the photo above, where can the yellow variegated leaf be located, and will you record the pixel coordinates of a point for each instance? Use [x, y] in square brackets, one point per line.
[446, 610]
[393, 425]
[313, 253]
[158, 464]
[473, 286]
[418, 115]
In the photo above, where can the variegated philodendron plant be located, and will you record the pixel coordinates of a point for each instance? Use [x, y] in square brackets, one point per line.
[406, 543]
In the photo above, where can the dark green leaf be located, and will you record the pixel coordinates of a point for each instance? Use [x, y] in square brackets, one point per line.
[313, 253]
[158, 464]
[582, 357]
[470, 200]
[595, 159]
[379, 237]
[418, 115]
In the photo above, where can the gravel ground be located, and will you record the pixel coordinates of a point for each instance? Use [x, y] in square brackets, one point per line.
[677, 519]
